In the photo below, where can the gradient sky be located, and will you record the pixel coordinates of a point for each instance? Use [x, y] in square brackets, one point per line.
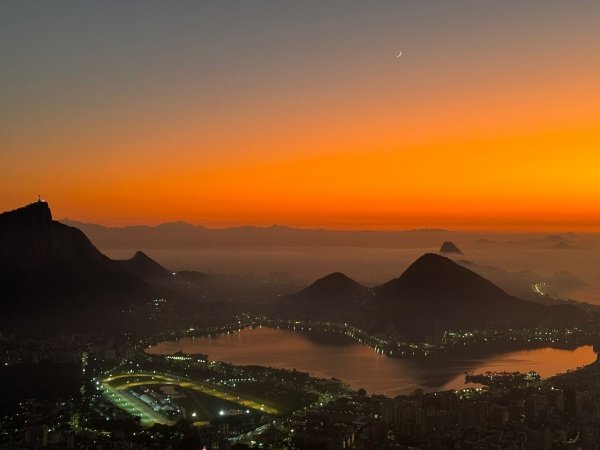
[299, 113]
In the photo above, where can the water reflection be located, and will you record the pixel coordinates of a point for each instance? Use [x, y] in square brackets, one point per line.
[360, 366]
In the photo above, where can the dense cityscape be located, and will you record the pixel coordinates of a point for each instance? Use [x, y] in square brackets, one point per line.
[114, 394]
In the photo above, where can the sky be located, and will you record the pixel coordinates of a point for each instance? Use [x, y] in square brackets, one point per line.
[300, 113]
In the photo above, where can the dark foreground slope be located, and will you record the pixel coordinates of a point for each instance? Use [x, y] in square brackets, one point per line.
[432, 295]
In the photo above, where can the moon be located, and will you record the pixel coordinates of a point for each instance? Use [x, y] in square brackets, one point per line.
[399, 55]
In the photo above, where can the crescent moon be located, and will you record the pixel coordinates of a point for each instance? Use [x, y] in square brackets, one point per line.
[399, 55]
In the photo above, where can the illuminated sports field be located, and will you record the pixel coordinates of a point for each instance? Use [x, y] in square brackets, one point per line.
[134, 406]
[115, 388]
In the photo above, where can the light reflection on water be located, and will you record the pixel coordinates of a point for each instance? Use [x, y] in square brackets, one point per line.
[360, 366]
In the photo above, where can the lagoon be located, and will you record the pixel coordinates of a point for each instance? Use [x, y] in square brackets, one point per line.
[360, 366]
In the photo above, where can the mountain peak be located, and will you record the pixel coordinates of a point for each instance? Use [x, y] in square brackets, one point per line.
[450, 247]
[30, 238]
[333, 292]
[435, 289]
[435, 277]
[144, 267]
[34, 213]
[140, 255]
[335, 281]
[430, 262]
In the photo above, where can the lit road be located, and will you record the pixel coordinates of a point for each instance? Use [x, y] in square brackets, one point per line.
[540, 288]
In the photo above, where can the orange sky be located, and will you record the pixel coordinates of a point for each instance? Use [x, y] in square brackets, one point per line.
[479, 125]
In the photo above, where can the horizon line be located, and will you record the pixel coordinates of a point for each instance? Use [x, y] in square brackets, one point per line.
[350, 229]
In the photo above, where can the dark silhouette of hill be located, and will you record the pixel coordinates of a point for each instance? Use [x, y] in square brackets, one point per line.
[432, 295]
[335, 295]
[436, 290]
[333, 286]
[144, 267]
[450, 247]
[52, 276]
[29, 238]
[435, 277]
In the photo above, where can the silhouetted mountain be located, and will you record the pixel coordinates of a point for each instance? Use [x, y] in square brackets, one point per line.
[30, 238]
[450, 247]
[433, 294]
[436, 290]
[334, 295]
[53, 273]
[335, 287]
[144, 267]
[434, 280]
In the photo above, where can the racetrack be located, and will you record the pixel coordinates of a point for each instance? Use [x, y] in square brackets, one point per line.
[115, 387]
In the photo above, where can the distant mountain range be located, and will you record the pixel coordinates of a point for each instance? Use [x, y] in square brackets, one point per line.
[175, 235]
[183, 235]
[551, 242]
[433, 294]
